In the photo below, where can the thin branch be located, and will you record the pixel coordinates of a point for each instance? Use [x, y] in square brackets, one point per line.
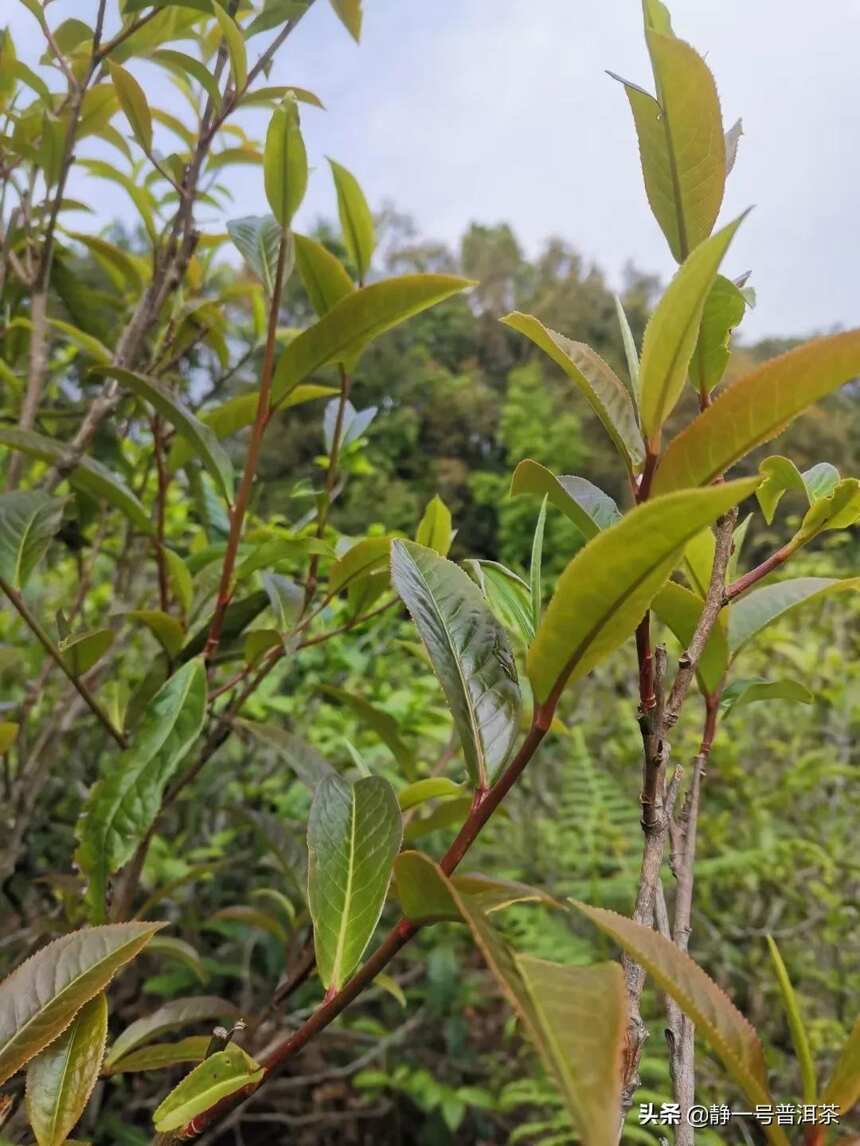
[761, 571]
[54, 653]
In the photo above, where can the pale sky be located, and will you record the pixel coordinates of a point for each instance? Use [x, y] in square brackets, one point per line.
[500, 110]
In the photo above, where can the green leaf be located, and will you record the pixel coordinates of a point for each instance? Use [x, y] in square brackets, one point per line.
[605, 590]
[162, 1055]
[426, 895]
[392, 987]
[356, 221]
[630, 352]
[285, 164]
[783, 476]
[8, 735]
[236, 413]
[180, 952]
[60, 1080]
[258, 239]
[366, 556]
[431, 788]
[755, 408]
[28, 522]
[507, 594]
[843, 1089]
[309, 765]
[133, 102]
[235, 42]
[681, 142]
[434, 529]
[746, 691]
[671, 334]
[795, 1025]
[535, 588]
[180, 579]
[450, 814]
[581, 1015]
[83, 650]
[41, 997]
[724, 310]
[469, 651]
[383, 724]
[222, 1074]
[176, 1013]
[170, 406]
[88, 475]
[699, 560]
[754, 611]
[166, 629]
[354, 833]
[324, 276]
[356, 320]
[123, 804]
[587, 506]
[286, 599]
[602, 389]
[250, 917]
[189, 65]
[717, 1020]
[349, 14]
[836, 510]
[680, 609]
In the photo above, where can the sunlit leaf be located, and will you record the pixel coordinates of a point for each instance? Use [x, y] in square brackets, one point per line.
[434, 528]
[175, 1013]
[218, 1076]
[604, 592]
[285, 165]
[133, 102]
[759, 608]
[356, 221]
[746, 691]
[235, 43]
[323, 274]
[587, 506]
[349, 13]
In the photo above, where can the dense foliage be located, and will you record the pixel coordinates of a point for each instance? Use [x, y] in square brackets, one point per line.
[253, 734]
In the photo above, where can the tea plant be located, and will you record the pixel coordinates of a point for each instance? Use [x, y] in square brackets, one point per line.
[149, 535]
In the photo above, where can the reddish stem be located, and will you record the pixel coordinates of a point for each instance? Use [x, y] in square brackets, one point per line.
[760, 571]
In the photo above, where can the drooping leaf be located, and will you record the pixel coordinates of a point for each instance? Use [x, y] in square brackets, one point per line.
[449, 814]
[180, 951]
[680, 609]
[133, 102]
[285, 164]
[356, 221]
[435, 528]
[365, 557]
[602, 389]
[349, 14]
[355, 321]
[380, 722]
[307, 762]
[582, 1019]
[124, 803]
[431, 788]
[843, 1089]
[199, 436]
[757, 609]
[258, 239]
[724, 310]
[323, 274]
[718, 1021]
[41, 997]
[755, 408]
[222, 1074]
[795, 1024]
[605, 590]
[83, 650]
[247, 916]
[88, 475]
[235, 43]
[28, 522]
[175, 1013]
[783, 476]
[469, 651]
[681, 142]
[354, 833]
[746, 691]
[587, 506]
[159, 1056]
[166, 629]
[60, 1080]
[671, 334]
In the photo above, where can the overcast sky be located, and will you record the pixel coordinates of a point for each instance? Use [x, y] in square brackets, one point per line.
[500, 110]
